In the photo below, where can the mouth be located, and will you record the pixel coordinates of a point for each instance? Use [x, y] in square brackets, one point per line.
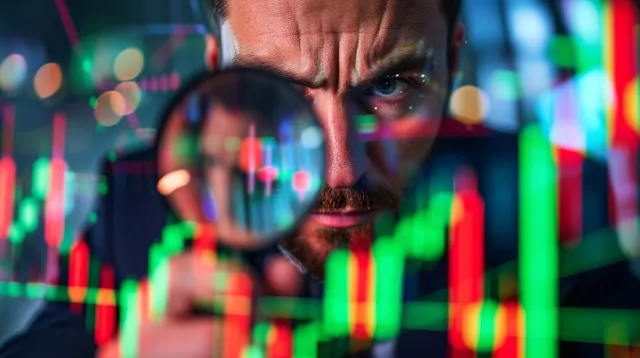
[342, 219]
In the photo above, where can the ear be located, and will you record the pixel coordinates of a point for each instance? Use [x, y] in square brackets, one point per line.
[457, 40]
[212, 52]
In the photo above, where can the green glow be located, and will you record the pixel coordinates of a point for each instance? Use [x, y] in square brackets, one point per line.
[35, 291]
[159, 277]
[16, 233]
[129, 319]
[336, 300]
[422, 234]
[15, 289]
[28, 214]
[253, 351]
[305, 341]
[538, 243]
[40, 185]
[486, 336]
[103, 187]
[367, 123]
[173, 238]
[561, 51]
[260, 334]
[87, 66]
[389, 263]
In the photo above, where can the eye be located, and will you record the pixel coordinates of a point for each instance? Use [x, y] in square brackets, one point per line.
[388, 87]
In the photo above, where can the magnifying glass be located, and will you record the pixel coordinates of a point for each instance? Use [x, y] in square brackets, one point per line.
[251, 152]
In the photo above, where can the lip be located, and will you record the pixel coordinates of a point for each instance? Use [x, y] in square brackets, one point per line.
[342, 219]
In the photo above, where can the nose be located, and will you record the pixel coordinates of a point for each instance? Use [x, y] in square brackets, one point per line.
[346, 155]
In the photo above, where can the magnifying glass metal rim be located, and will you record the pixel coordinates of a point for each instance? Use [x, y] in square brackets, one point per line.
[182, 96]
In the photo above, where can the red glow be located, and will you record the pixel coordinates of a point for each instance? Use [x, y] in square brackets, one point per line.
[281, 345]
[569, 195]
[513, 345]
[7, 173]
[624, 141]
[54, 206]
[205, 238]
[7, 192]
[250, 154]
[624, 71]
[466, 257]
[268, 174]
[301, 181]
[237, 325]
[78, 272]
[106, 312]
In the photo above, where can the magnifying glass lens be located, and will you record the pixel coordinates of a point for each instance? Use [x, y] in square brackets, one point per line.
[257, 152]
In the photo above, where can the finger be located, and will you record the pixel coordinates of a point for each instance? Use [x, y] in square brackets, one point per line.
[188, 338]
[282, 277]
[197, 277]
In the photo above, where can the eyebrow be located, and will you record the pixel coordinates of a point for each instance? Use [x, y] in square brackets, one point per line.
[385, 67]
[403, 63]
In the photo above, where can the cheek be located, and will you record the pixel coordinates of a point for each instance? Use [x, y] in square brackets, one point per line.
[399, 158]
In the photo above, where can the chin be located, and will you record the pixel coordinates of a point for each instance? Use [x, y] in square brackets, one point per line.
[314, 243]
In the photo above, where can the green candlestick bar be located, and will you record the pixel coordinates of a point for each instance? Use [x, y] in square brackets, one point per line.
[538, 244]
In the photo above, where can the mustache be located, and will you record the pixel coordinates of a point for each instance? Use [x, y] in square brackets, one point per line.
[365, 195]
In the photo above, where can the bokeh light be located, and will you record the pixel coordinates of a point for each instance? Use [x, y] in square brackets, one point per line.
[128, 64]
[13, 72]
[48, 80]
[311, 138]
[469, 104]
[132, 95]
[110, 108]
[531, 28]
[504, 85]
[173, 181]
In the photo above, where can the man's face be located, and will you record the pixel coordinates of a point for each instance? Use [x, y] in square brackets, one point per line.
[386, 58]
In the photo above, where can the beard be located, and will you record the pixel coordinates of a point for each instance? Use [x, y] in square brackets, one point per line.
[312, 243]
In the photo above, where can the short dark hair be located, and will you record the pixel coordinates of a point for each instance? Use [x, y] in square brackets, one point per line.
[450, 8]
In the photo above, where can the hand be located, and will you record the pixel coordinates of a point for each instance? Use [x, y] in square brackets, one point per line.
[179, 333]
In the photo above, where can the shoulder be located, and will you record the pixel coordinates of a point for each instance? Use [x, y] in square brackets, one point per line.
[131, 213]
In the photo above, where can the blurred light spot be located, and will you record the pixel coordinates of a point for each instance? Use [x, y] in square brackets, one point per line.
[469, 104]
[631, 104]
[504, 85]
[173, 181]
[131, 94]
[109, 109]
[584, 20]
[301, 181]
[268, 174]
[128, 64]
[48, 80]
[311, 138]
[531, 30]
[86, 66]
[13, 72]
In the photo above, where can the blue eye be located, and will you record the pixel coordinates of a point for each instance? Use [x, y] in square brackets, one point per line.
[389, 87]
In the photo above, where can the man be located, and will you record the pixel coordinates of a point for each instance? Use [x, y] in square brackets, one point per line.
[349, 57]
